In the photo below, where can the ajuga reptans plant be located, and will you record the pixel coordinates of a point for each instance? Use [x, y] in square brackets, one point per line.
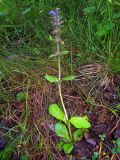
[78, 124]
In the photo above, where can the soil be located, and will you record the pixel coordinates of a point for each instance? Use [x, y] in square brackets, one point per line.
[93, 94]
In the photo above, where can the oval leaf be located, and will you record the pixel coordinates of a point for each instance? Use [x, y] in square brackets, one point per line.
[20, 96]
[56, 112]
[53, 55]
[61, 131]
[51, 79]
[95, 156]
[77, 135]
[24, 157]
[69, 78]
[64, 52]
[80, 122]
[60, 145]
[118, 142]
[68, 147]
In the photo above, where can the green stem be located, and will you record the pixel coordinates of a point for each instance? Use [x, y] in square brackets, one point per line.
[59, 88]
[64, 109]
[70, 157]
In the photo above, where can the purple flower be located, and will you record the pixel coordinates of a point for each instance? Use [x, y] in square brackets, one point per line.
[56, 16]
[56, 20]
[52, 13]
[55, 13]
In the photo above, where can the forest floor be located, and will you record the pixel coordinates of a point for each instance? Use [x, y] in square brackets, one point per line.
[90, 33]
[27, 129]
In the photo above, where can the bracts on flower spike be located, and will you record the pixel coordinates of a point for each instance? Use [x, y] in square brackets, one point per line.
[56, 17]
[55, 14]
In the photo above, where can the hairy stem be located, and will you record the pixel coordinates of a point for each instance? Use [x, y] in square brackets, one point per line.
[59, 85]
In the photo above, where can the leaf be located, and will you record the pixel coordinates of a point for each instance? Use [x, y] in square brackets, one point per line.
[68, 147]
[110, 1]
[80, 122]
[69, 78]
[77, 135]
[95, 156]
[85, 117]
[118, 150]
[90, 9]
[118, 106]
[116, 15]
[53, 55]
[60, 145]
[26, 11]
[50, 37]
[20, 96]
[24, 157]
[103, 29]
[118, 142]
[61, 131]
[56, 112]
[4, 9]
[62, 53]
[102, 137]
[114, 151]
[51, 79]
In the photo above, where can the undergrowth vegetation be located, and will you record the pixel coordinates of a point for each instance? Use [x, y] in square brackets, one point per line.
[90, 49]
[90, 26]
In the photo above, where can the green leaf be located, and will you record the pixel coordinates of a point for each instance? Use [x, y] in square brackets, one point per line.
[114, 151]
[95, 156]
[24, 157]
[117, 106]
[69, 78]
[103, 29]
[116, 15]
[80, 122]
[110, 1]
[53, 55]
[56, 112]
[88, 10]
[51, 79]
[118, 142]
[26, 11]
[60, 145]
[50, 38]
[4, 9]
[77, 134]
[102, 137]
[68, 147]
[21, 96]
[118, 150]
[61, 131]
[62, 53]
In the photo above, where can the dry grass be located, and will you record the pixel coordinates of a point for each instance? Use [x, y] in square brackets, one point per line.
[81, 97]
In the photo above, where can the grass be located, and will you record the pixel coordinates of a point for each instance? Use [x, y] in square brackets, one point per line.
[90, 32]
[89, 24]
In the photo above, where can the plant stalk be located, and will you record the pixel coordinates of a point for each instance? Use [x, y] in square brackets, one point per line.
[59, 83]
